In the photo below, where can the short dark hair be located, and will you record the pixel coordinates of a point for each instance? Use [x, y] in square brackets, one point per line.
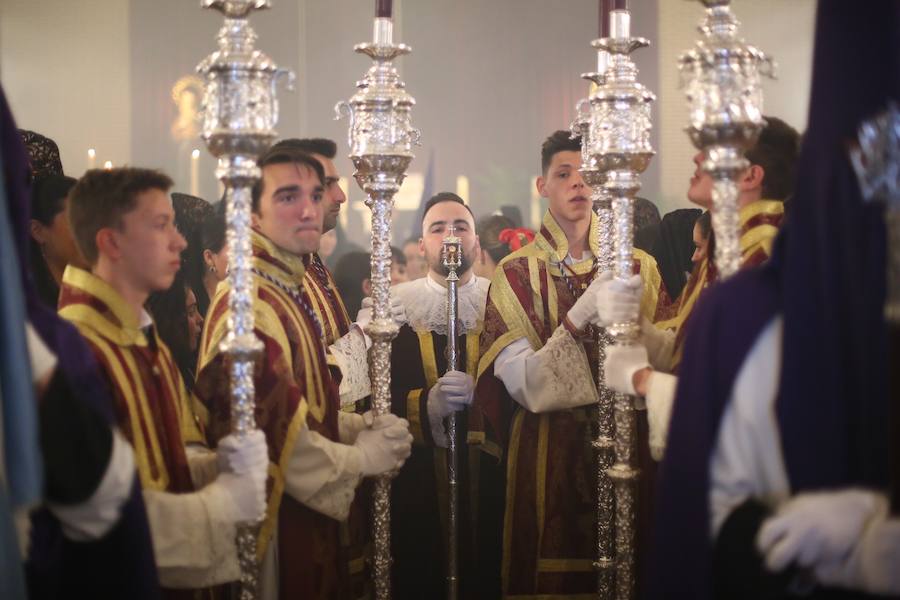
[559, 141]
[101, 198]
[281, 156]
[704, 222]
[488, 229]
[397, 256]
[776, 151]
[444, 197]
[212, 231]
[321, 146]
[48, 195]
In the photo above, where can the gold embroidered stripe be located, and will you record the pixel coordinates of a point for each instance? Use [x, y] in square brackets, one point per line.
[565, 565]
[413, 416]
[139, 417]
[512, 461]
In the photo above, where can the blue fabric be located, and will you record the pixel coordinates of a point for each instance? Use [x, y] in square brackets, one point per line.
[21, 453]
[12, 583]
[827, 278]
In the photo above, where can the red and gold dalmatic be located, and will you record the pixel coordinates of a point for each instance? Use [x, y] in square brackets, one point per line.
[321, 292]
[549, 536]
[759, 223]
[293, 386]
[151, 402]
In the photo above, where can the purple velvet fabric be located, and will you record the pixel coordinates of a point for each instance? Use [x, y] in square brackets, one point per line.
[827, 277]
[121, 565]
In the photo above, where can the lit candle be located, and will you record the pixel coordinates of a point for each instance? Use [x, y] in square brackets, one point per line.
[195, 173]
[107, 165]
[535, 208]
[92, 158]
[462, 187]
[383, 8]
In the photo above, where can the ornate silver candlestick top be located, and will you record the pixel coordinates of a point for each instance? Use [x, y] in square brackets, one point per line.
[721, 76]
[240, 109]
[604, 443]
[620, 147]
[381, 139]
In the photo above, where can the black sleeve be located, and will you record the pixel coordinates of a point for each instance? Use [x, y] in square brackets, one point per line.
[76, 444]
[738, 569]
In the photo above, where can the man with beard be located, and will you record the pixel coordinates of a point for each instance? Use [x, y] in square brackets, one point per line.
[536, 390]
[425, 393]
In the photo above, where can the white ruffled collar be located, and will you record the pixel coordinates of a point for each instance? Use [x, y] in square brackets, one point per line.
[425, 301]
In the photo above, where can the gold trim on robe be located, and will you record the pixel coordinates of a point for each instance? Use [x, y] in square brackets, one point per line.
[759, 223]
[293, 384]
[528, 299]
[153, 406]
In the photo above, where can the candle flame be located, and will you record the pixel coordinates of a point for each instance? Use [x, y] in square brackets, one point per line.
[91, 153]
[195, 154]
[107, 165]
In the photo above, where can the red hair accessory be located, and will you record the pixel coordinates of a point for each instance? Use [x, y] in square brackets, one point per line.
[516, 238]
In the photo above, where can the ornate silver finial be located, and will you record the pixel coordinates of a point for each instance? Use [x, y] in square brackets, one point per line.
[604, 443]
[240, 109]
[619, 140]
[721, 77]
[381, 140]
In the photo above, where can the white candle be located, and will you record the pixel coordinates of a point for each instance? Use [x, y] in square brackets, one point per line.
[195, 173]
[92, 158]
[462, 187]
[535, 208]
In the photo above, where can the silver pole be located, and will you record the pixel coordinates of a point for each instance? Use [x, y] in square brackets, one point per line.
[240, 110]
[603, 444]
[381, 140]
[620, 144]
[451, 257]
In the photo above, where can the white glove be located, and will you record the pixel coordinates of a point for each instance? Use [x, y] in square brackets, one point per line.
[618, 301]
[364, 316]
[584, 310]
[236, 455]
[452, 392]
[241, 497]
[620, 365]
[816, 528]
[384, 447]
[872, 565]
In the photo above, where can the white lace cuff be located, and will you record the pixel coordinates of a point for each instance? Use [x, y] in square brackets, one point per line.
[322, 474]
[660, 398]
[350, 354]
[556, 377]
